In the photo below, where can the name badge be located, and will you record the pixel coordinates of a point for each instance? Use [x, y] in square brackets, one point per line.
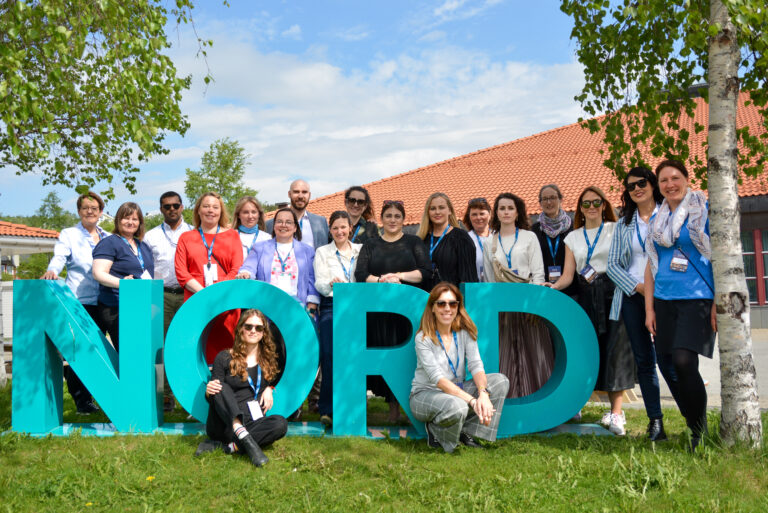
[255, 409]
[210, 273]
[679, 262]
[555, 271]
[145, 275]
[588, 273]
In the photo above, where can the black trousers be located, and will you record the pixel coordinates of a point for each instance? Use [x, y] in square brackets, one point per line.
[224, 409]
[108, 315]
[77, 390]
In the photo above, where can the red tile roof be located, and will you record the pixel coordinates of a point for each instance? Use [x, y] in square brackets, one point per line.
[19, 230]
[568, 156]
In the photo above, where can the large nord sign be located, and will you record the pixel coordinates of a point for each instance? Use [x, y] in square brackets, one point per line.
[49, 320]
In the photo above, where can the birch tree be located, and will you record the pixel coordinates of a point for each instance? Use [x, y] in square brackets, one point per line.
[641, 61]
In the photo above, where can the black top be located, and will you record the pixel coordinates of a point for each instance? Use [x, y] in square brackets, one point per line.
[573, 288]
[378, 257]
[242, 389]
[453, 259]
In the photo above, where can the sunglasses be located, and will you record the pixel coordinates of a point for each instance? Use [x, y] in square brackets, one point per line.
[452, 304]
[169, 206]
[258, 328]
[356, 201]
[595, 203]
[640, 183]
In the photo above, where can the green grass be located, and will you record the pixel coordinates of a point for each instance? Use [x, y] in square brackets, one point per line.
[525, 474]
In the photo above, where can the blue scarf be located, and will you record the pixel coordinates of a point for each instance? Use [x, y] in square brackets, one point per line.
[252, 231]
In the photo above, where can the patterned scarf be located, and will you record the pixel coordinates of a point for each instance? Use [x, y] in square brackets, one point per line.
[664, 229]
[556, 226]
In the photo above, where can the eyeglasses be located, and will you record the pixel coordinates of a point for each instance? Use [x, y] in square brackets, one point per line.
[548, 198]
[356, 201]
[285, 223]
[595, 203]
[258, 328]
[640, 183]
[169, 206]
[442, 304]
[89, 209]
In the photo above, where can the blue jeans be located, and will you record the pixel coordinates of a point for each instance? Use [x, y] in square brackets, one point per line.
[325, 332]
[633, 314]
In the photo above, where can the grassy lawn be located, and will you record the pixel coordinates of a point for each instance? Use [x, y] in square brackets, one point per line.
[525, 474]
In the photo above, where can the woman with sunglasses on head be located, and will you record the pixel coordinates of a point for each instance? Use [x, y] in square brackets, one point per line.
[453, 408]
[553, 226]
[248, 220]
[358, 204]
[477, 218]
[239, 393]
[679, 290]
[586, 253]
[512, 254]
[395, 257]
[334, 263]
[627, 259]
[451, 250]
[208, 254]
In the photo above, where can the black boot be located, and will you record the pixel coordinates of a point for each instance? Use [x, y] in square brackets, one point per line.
[699, 432]
[656, 431]
[249, 446]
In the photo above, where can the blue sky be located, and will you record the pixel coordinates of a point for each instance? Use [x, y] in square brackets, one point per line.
[344, 92]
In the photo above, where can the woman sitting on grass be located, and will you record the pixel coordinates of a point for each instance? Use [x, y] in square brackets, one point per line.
[453, 409]
[240, 392]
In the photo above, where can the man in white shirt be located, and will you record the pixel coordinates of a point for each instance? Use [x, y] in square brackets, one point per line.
[163, 240]
[314, 228]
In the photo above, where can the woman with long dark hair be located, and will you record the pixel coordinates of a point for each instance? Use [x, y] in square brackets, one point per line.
[360, 209]
[627, 259]
[239, 392]
[477, 220]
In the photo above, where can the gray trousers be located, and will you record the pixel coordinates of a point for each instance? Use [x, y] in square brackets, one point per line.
[171, 304]
[448, 416]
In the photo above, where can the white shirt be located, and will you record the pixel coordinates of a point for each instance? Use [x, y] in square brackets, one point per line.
[526, 256]
[578, 246]
[162, 240]
[639, 257]
[306, 230]
[247, 240]
[288, 280]
[479, 250]
[75, 250]
[328, 266]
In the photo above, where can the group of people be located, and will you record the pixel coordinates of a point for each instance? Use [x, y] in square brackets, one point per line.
[644, 280]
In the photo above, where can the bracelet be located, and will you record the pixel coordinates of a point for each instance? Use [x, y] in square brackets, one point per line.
[378, 280]
[481, 391]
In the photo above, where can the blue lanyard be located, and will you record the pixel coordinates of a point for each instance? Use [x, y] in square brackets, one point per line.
[253, 241]
[553, 252]
[347, 273]
[591, 247]
[173, 244]
[432, 244]
[283, 263]
[210, 249]
[138, 252]
[258, 382]
[356, 231]
[456, 344]
[509, 255]
[637, 232]
[479, 243]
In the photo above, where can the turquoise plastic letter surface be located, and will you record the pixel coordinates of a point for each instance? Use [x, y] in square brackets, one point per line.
[47, 317]
[184, 361]
[575, 344]
[353, 361]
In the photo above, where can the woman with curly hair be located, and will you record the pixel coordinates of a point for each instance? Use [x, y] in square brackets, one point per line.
[239, 393]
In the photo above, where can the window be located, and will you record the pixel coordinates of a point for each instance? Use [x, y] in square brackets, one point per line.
[754, 245]
[750, 267]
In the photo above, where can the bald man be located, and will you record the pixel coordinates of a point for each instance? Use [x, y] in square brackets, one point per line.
[314, 228]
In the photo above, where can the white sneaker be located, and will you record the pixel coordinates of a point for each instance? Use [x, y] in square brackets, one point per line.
[606, 420]
[618, 422]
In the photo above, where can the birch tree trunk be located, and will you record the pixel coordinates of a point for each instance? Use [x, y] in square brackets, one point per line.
[3, 375]
[740, 410]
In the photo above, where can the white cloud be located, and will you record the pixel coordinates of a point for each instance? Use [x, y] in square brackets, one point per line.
[353, 35]
[294, 32]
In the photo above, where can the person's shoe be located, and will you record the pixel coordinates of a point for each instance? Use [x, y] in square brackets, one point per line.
[208, 445]
[87, 408]
[699, 432]
[617, 425]
[314, 407]
[656, 431]
[169, 404]
[326, 420]
[249, 446]
[606, 420]
[295, 416]
[431, 440]
[469, 441]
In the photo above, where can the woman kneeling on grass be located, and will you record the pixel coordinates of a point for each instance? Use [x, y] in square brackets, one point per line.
[240, 392]
[454, 410]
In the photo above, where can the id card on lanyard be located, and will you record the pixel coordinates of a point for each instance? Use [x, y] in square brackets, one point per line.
[454, 367]
[210, 270]
[144, 273]
[284, 278]
[253, 406]
[554, 271]
[347, 272]
[588, 272]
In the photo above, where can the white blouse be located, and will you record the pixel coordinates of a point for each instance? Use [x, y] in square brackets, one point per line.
[247, 240]
[578, 246]
[329, 266]
[526, 256]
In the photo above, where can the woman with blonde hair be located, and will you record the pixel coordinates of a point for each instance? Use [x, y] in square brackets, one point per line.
[239, 392]
[248, 220]
[451, 250]
[453, 408]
